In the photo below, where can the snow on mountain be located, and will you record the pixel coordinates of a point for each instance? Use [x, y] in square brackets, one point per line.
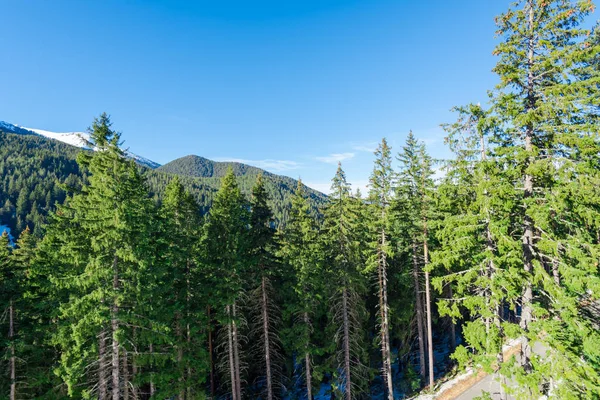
[77, 139]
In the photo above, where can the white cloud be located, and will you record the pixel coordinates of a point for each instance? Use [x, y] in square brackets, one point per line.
[335, 158]
[368, 147]
[268, 164]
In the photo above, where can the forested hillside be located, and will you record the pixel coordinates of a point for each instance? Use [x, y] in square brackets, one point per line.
[35, 171]
[120, 296]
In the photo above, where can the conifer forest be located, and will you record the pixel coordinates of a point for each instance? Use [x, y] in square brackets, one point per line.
[126, 283]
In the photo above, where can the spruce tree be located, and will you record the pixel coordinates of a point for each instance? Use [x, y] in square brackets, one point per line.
[547, 142]
[225, 248]
[414, 206]
[347, 283]
[9, 292]
[380, 198]
[301, 251]
[264, 272]
[477, 217]
[104, 251]
[182, 292]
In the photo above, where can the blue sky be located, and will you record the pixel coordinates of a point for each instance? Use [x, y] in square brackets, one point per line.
[291, 86]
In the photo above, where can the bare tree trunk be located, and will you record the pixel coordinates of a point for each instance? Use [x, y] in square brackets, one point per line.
[152, 386]
[428, 304]
[116, 390]
[265, 318]
[528, 234]
[13, 358]
[102, 379]
[236, 353]
[307, 367]
[452, 324]
[134, 368]
[345, 310]
[210, 354]
[500, 355]
[179, 333]
[419, 307]
[230, 344]
[125, 375]
[385, 333]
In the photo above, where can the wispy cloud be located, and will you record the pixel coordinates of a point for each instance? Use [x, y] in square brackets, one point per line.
[268, 164]
[334, 158]
[368, 147]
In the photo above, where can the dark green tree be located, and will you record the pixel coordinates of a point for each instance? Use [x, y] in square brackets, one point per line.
[224, 247]
[380, 199]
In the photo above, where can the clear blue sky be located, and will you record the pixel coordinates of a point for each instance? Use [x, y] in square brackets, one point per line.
[292, 86]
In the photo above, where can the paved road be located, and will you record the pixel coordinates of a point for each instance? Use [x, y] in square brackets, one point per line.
[487, 384]
[491, 385]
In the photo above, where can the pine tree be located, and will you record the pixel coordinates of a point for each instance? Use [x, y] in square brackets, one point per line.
[413, 204]
[9, 293]
[105, 250]
[264, 272]
[182, 292]
[477, 219]
[344, 264]
[301, 251]
[225, 247]
[380, 198]
[547, 142]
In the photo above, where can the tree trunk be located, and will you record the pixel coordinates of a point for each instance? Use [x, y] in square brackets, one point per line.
[125, 376]
[152, 386]
[307, 368]
[265, 318]
[102, 379]
[452, 323]
[114, 324]
[528, 234]
[419, 307]
[428, 304]
[385, 333]
[500, 355]
[230, 344]
[236, 353]
[210, 354]
[134, 368]
[345, 310]
[179, 333]
[13, 358]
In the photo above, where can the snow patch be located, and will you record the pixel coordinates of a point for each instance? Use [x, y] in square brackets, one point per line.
[77, 139]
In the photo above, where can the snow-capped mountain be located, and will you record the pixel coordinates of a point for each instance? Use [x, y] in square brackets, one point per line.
[77, 139]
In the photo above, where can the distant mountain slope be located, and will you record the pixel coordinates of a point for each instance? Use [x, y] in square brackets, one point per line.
[77, 139]
[204, 168]
[34, 171]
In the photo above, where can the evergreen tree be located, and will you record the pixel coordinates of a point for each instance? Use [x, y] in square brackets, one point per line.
[182, 293]
[547, 143]
[473, 247]
[347, 283]
[225, 247]
[301, 251]
[413, 204]
[9, 285]
[380, 198]
[264, 272]
[104, 250]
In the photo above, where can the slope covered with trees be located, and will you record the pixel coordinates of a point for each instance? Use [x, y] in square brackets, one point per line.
[36, 173]
[123, 297]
